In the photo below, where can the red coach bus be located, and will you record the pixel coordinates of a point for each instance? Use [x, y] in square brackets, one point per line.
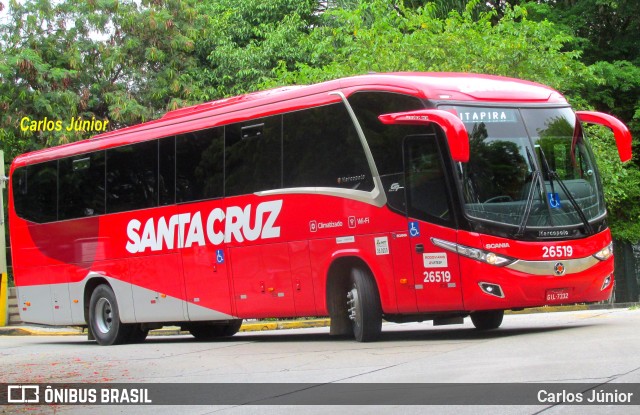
[404, 197]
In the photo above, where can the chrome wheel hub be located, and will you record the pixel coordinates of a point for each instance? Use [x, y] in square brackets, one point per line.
[104, 315]
[352, 303]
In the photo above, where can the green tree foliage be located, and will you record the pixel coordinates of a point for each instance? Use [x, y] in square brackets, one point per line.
[381, 36]
[242, 41]
[129, 61]
[606, 30]
[122, 61]
[607, 33]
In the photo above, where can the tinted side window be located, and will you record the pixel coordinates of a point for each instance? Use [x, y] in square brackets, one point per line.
[322, 148]
[385, 141]
[19, 188]
[253, 156]
[82, 183]
[199, 165]
[35, 192]
[167, 171]
[132, 177]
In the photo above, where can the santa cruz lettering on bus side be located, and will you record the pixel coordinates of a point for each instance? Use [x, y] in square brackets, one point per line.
[233, 223]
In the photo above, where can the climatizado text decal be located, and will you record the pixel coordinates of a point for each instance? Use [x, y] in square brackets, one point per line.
[187, 229]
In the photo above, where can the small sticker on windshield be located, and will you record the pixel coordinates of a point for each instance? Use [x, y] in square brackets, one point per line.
[554, 200]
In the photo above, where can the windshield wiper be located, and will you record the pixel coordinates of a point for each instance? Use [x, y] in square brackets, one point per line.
[552, 174]
[535, 181]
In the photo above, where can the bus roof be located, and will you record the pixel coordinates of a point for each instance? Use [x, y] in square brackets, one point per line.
[431, 86]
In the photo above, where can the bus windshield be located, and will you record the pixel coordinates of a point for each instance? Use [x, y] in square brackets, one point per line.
[528, 168]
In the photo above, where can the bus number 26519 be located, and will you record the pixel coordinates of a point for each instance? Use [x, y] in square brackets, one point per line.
[437, 276]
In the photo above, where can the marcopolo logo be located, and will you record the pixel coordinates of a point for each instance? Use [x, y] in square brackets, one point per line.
[187, 229]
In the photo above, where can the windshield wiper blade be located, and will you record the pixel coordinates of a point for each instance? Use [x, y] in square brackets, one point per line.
[527, 210]
[547, 169]
[553, 174]
[535, 181]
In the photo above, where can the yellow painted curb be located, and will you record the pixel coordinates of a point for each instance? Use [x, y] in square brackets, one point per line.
[4, 295]
[22, 331]
[259, 326]
[281, 325]
[550, 309]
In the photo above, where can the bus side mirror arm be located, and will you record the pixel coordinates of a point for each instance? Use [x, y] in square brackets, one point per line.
[453, 128]
[620, 131]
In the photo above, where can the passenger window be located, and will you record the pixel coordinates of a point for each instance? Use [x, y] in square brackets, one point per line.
[322, 149]
[19, 188]
[385, 141]
[82, 191]
[199, 165]
[253, 156]
[35, 192]
[132, 177]
[167, 171]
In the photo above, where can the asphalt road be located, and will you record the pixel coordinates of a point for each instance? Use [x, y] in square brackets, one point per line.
[595, 346]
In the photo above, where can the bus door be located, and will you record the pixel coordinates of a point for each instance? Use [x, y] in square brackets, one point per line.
[436, 271]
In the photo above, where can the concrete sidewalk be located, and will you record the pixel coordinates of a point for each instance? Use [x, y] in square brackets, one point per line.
[35, 330]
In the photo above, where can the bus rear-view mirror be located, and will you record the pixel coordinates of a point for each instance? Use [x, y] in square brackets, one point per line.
[620, 131]
[453, 128]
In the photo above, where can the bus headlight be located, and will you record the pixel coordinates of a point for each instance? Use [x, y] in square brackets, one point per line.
[487, 257]
[605, 253]
[493, 259]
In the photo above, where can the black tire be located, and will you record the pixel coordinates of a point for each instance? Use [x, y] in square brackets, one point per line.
[612, 297]
[231, 328]
[487, 320]
[363, 305]
[104, 318]
[203, 332]
[138, 335]
[211, 331]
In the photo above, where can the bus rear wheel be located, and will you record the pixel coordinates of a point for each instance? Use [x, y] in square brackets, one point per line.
[363, 306]
[104, 318]
[487, 320]
[212, 331]
[231, 328]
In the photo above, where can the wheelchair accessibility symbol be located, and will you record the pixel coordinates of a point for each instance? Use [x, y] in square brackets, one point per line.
[220, 256]
[414, 229]
[554, 200]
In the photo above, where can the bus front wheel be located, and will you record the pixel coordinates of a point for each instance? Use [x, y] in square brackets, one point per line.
[104, 318]
[487, 320]
[363, 306]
